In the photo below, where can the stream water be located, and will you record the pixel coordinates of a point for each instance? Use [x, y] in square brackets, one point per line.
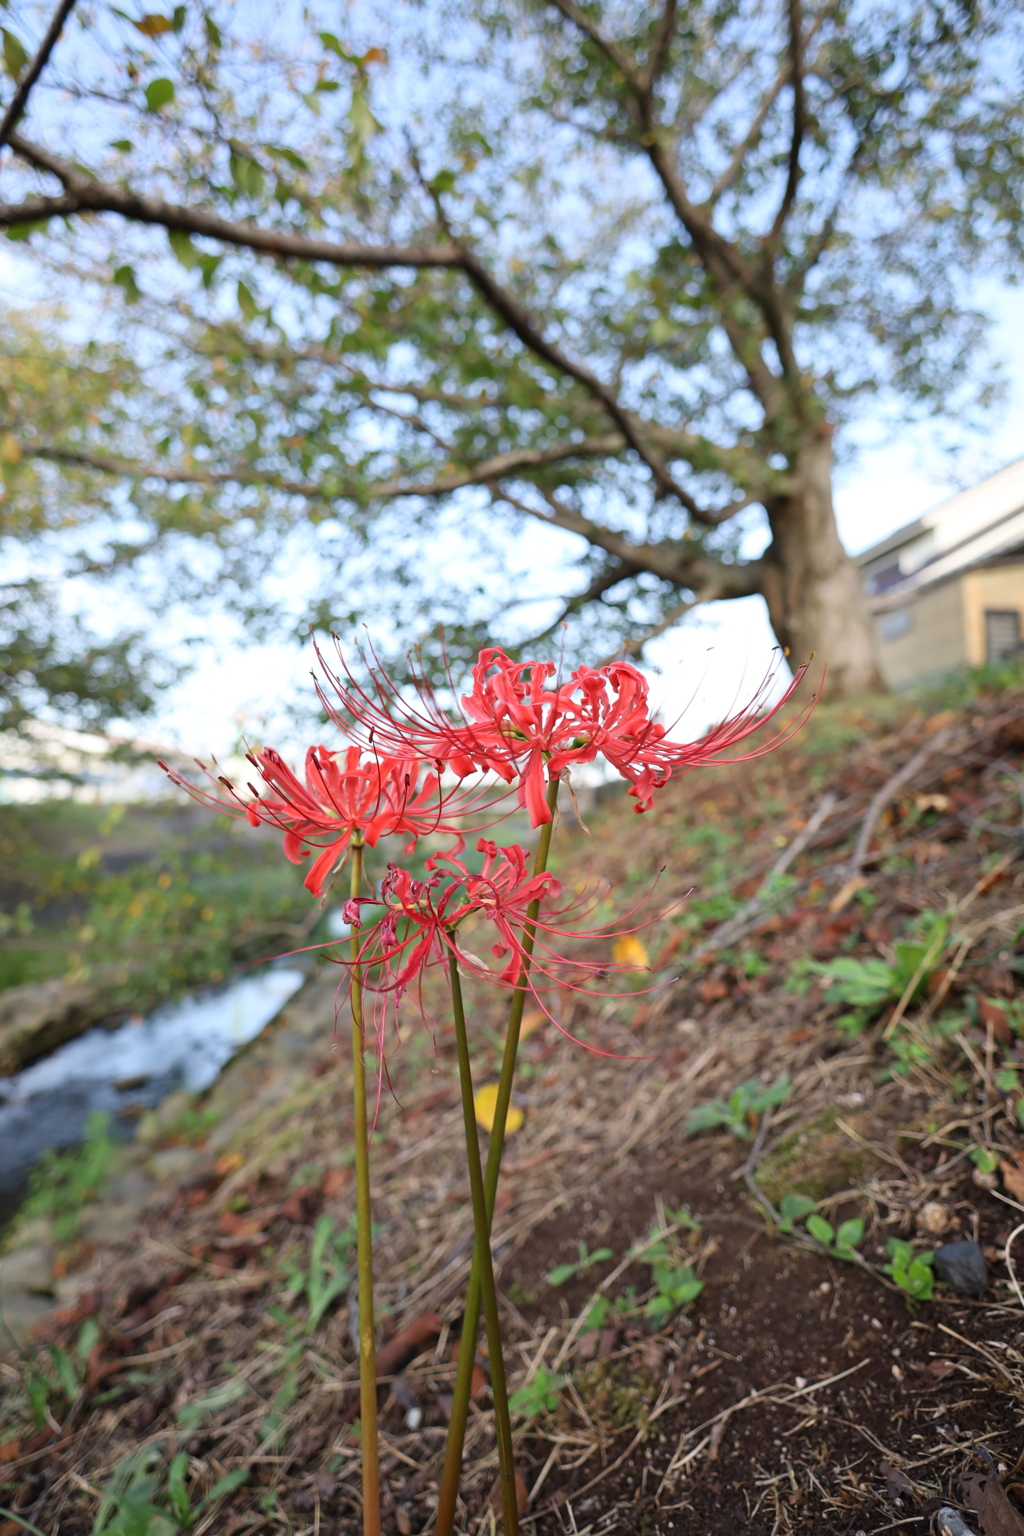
[127, 1070]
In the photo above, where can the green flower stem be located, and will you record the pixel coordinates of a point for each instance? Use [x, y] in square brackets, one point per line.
[449, 1488]
[482, 1253]
[364, 1239]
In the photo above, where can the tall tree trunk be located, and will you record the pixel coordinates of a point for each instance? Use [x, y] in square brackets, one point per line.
[815, 595]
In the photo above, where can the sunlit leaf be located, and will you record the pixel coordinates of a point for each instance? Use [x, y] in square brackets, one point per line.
[485, 1102]
[15, 57]
[154, 25]
[629, 950]
[159, 93]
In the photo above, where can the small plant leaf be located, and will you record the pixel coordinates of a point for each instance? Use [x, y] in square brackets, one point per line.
[821, 1230]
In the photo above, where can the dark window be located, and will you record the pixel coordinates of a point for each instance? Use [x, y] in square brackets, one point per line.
[887, 577]
[1002, 632]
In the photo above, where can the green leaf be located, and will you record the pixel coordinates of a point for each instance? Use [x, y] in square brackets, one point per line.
[192, 1414]
[983, 1159]
[213, 34]
[124, 145]
[15, 57]
[444, 181]
[66, 1373]
[791, 1208]
[226, 1484]
[821, 1230]
[246, 303]
[597, 1314]
[124, 277]
[538, 1396]
[850, 1233]
[183, 248]
[159, 94]
[26, 1525]
[88, 1338]
[245, 173]
[561, 1273]
[176, 1490]
[361, 121]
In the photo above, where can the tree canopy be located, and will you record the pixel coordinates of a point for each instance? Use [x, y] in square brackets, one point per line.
[508, 314]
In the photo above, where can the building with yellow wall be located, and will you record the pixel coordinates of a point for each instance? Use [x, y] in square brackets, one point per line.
[947, 590]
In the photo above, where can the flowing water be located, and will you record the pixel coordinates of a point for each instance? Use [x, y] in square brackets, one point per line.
[127, 1070]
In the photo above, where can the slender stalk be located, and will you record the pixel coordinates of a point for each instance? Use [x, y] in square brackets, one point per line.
[482, 1224]
[364, 1230]
[449, 1488]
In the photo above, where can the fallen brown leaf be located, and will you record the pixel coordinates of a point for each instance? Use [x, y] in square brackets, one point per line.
[1012, 1170]
[984, 1493]
[407, 1343]
[335, 1180]
[244, 1224]
[522, 1495]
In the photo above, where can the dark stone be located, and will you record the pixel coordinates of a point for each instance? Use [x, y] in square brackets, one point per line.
[962, 1265]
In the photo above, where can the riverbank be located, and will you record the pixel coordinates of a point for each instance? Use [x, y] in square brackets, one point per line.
[42, 1270]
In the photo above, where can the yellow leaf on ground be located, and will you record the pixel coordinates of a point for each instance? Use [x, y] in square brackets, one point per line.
[629, 950]
[485, 1101]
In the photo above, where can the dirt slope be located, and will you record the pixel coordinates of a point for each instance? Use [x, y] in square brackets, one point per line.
[797, 1392]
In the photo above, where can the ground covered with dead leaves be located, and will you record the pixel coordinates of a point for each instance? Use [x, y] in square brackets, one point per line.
[700, 1369]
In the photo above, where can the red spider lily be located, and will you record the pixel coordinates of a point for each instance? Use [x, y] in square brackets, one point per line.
[519, 727]
[420, 919]
[342, 795]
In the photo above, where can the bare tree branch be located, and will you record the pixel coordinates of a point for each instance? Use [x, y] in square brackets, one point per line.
[518, 461]
[86, 195]
[19, 101]
[83, 194]
[635, 646]
[659, 51]
[750, 138]
[694, 570]
[796, 65]
[612, 52]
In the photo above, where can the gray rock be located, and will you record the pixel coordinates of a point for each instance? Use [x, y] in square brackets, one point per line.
[36, 1018]
[19, 1314]
[108, 1223]
[962, 1266]
[174, 1163]
[29, 1270]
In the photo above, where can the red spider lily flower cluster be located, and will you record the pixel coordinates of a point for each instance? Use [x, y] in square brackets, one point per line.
[417, 923]
[520, 725]
[342, 795]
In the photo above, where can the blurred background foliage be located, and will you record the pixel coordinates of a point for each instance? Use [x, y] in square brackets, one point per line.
[146, 901]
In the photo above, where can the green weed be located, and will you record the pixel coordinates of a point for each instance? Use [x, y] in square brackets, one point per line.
[791, 1208]
[538, 1396]
[327, 1274]
[867, 986]
[741, 1111]
[838, 1242]
[128, 1506]
[911, 1271]
[563, 1272]
[63, 1182]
